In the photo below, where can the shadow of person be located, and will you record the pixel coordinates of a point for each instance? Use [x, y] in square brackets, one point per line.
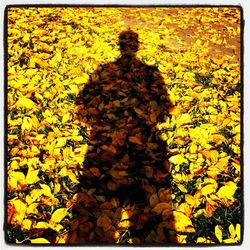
[125, 173]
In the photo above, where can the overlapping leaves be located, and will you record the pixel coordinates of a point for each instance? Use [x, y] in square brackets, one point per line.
[51, 54]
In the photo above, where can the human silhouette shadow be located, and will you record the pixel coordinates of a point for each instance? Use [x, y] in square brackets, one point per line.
[126, 167]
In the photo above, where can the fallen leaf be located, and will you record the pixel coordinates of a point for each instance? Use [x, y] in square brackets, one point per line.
[227, 191]
[25, 102]
[218, 233]
[39, 241]
[58, 215]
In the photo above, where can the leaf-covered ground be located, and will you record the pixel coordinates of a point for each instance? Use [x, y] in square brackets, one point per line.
[55, 196]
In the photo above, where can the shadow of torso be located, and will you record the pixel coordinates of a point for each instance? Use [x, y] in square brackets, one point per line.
[122, 103]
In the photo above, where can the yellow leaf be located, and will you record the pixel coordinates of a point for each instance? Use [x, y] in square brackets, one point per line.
[57, 227]
[237, 230]
[58, 215]
[81, 79]
[72, 176]
[182, 188]
[223, 163]
[181, 239]
[165, 137]
[26, 225]
[184, 119]
[26, 38]
[20, 207]
[212, 155]
[30, 72]
[177, 159]
[26, 124]
[175, 110]
[32, 208]
[38, 96]
[66, 117]
[172, 98]
[229, 241]
[56, 59]
[126, 214]
[236, 129]
[190, 199]
[39, 241]
[74, 89]
[15, 178]
[36, 194]
[231, 231]
[14, 165]
[184, 208]
[198, 42]
[227, 191]
[35, 122]
[199, 212]
[193, 148]
[226, 122]
[46, 190]
[56, 152]
[63, 172]
[182, 222]
[212, 110]
[218, 233]
[28, 199]
[57, 188]
[32, 176]
[218, 139]
[60, 142]
[25, 102]
[209, 189]
[124, 224]
[42, 224]
[202, 240]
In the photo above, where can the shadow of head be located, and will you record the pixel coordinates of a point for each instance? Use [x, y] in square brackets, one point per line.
[128, 42]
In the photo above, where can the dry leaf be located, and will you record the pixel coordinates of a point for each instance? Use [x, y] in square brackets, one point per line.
[58, 215]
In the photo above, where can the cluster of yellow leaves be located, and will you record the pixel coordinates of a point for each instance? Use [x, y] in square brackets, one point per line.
[52, 52]
[234, 234]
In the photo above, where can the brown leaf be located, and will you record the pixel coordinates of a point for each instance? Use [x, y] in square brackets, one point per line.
[104, 222]
[210, 209]
[135, 140]
[95, 171]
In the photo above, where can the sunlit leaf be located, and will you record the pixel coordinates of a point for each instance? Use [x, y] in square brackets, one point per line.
[177, 159]
[208, 189]
[227, 191]
[39, 241]
[26, 225]
[32, 176]
[25, 102]
[182, 222]
[59, 214]
[218, 233]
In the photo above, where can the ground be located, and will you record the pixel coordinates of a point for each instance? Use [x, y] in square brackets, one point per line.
[52, 52]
